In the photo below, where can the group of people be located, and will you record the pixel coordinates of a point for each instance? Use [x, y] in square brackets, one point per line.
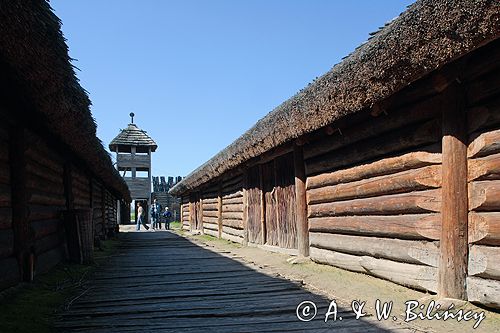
[156, 216]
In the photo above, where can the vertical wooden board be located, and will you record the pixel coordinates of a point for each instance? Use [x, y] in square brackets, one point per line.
[271, 223]
[254, 209]
[285, 203]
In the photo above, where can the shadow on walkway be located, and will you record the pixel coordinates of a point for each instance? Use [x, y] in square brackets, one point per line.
[162, 282]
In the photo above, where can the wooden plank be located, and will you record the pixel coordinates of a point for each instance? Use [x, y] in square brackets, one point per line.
[219, 209]
[413, 160]
[211, 232]
[301, 202]
[484, 228]
[484, 196]
[484, 144]
[209, 219]
[454, 208]
[406, 203]
[483, 291]
[232, 207]
[232, 215]
[409, 251]
[212, 226]
[406, 138]
[211, 213]
[233, 223]
[234, 195]
[417, 226]
[406, 181]
[233, 231]
[483, 261]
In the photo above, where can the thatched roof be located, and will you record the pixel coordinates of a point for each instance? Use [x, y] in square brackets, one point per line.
[32, 46]
[428, 35]
[132, 136]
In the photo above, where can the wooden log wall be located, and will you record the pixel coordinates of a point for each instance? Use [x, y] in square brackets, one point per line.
[110, 211]
[81, 187]
[374, 197]
[483, 152]
[98, 210]
[232, 209]
[8, 263]
[185, 213]
[210, 212]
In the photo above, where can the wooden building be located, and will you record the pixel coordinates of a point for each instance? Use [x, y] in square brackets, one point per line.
[388, 165]
[50, 158]
[133, 148]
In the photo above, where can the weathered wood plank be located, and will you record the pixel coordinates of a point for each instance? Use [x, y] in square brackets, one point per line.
[483, 261]
[486, 168]
[484, 144]
[483, 291]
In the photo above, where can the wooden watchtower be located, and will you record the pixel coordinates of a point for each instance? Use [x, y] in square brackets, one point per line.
[133, 148]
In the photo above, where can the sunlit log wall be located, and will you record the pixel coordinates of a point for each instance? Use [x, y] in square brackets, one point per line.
[185, 213]
[483, 152]
[232, 209]
[210, 197]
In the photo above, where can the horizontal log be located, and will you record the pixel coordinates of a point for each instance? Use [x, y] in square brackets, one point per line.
[373, 127]
[405, 181]
[186, 227]
[233, 223]
[232, 216]
[40, 213]
[44, 186]
[10, 273]
[237, 194]
[210, 213]
[484, 144]
[340, 260]
[483, 116]
[237, 200]
[417, 226]
[484, 228]
[6, 243]
[41, 157]
[232, 231]
[483, 291]
[406, 203]
[483, 261]
[46, 199]
[209, 200]
[408, 275]
[483, 87]
[36, 170]
[232, 238]
[212, 233]
[485, 168]
[405, 139]
[209, 206]
[235, 180]
[211, 226]
[409, 251]
[381, 167]
[231, 208]
[209, 219]
[484, 196]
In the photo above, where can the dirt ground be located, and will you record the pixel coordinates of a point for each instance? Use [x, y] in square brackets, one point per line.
[344, 287]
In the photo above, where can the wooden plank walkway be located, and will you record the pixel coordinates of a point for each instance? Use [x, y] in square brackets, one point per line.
[162, 282]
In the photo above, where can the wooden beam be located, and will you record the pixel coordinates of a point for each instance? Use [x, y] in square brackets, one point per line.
[454, 207]
[246, 207]
[300, 201]
[262, 207]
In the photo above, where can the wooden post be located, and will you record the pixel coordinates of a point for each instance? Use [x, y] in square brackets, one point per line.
[68, 186]
[301, 203]
[219, 209]
[191, 214]
[200, 214]
[262, 207]
[453, 245]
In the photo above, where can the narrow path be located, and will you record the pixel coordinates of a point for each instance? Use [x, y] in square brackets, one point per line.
[162, 282]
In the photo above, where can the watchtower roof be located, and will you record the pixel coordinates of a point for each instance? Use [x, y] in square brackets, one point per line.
[132, 136]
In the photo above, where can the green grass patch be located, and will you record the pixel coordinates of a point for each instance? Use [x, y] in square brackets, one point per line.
[175, 225]
[32, 307]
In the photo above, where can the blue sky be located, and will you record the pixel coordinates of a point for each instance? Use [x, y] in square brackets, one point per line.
[197, 74]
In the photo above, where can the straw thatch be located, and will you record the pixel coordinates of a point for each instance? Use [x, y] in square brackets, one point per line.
[33, 48]
[428, 35]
